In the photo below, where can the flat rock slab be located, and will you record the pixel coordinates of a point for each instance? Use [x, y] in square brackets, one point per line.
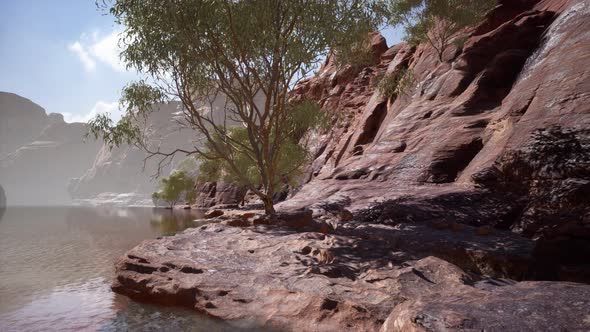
[370, 279]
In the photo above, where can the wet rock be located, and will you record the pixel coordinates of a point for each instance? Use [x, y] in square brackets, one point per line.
[213, 214]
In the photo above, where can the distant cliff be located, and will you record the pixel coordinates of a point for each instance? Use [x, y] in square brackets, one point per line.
[46, 161]
[40, 153]
[122, 170]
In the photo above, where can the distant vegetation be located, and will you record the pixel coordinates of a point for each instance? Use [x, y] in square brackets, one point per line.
[175, 187]
[437, 22]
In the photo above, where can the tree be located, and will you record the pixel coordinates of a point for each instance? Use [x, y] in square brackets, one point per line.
[173, 188]
[436, 22]
[292, 155]
[251, 52]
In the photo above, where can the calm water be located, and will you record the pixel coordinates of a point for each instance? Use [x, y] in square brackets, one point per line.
[56, 265]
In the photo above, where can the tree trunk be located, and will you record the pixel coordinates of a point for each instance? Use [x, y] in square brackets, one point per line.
[268, 205]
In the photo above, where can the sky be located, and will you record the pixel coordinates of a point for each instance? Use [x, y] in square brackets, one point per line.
[63, 55]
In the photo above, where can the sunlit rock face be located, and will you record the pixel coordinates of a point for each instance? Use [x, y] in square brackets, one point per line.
[506, 115]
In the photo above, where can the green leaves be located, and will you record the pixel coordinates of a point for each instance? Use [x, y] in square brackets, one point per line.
[436, 21]
[139, 97]
[124, 131]
[396, 84]
[248, 54]
[174, 186]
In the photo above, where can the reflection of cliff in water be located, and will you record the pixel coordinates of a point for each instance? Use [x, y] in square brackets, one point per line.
[42, 248]
[2, 202]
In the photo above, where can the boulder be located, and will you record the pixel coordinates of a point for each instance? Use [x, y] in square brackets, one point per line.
[213, 214]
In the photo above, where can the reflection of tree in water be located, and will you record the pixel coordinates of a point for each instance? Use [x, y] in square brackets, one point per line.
[170, 222]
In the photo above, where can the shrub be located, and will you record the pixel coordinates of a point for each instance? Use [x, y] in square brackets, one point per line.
[396, 84]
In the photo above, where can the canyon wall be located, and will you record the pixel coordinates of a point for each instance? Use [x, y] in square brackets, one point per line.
[497, 134]
[40, 153]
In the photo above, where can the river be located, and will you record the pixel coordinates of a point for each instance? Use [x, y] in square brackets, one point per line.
[56, 266]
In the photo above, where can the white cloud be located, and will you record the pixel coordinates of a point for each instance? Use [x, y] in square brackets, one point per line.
[99, 48]
[100, 107]
[107, 50]
[78, 49]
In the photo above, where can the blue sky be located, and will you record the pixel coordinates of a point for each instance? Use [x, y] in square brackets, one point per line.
[62, 55]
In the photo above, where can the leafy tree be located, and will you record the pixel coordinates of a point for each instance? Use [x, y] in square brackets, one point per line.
[436, 21]
[253, 53]
[173, 188]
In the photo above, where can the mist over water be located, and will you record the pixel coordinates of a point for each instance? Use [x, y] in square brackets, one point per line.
[57, 263]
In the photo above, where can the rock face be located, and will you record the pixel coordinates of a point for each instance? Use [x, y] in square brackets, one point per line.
[22, 121]
[507, 116]
[364, 278]
[219, 193]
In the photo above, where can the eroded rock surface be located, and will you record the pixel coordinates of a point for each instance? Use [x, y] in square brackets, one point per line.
[364, 278]
[504, 119]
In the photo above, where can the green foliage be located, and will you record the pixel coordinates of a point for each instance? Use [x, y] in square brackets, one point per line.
[291, 152]
[436, 21]
[174, 186]
[188, 165]
[124, 131]
[396, 84]
[192, 50]
[359, 55]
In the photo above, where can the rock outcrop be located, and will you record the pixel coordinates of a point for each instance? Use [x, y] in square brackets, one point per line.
[21, 122]
[505, 116]
[219, 193]
[365, 278]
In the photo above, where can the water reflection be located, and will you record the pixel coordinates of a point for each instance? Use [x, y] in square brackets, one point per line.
[2, 202]
[169, 222]
[56, 265]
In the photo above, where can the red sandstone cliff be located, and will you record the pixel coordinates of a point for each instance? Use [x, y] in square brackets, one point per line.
[505, 119]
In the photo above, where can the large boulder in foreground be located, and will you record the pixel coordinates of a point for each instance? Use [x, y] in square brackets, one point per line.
[357, 280]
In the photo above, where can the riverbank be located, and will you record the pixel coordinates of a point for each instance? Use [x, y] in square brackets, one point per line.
[335, 273]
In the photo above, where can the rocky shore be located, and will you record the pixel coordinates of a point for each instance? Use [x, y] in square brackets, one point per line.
[359, 277]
